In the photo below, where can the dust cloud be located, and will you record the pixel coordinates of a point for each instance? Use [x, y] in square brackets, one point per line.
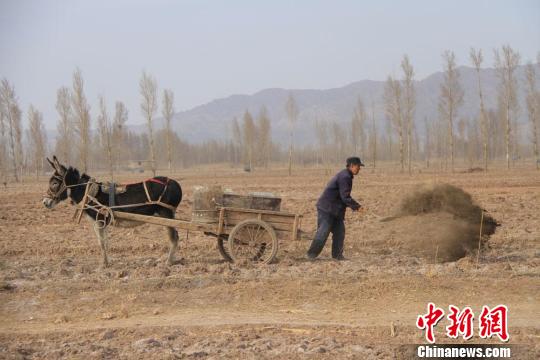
[439, 223]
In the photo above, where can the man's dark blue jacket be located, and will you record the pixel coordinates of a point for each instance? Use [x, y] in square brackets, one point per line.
[337, 195]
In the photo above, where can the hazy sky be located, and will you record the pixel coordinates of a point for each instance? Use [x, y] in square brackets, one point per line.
[204, 50]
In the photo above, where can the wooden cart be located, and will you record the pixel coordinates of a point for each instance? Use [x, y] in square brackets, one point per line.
[242, 234]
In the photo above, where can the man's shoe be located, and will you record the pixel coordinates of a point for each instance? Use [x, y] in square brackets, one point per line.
[340, 258]
[311, 256]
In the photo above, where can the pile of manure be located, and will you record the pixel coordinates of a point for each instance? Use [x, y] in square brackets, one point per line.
[440, 223]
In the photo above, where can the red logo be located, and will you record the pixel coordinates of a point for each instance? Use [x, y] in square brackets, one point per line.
[429, 321]
[494, 322]
[461, 322]
[491, 322]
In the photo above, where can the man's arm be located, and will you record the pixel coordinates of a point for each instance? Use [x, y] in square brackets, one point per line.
[345, 187]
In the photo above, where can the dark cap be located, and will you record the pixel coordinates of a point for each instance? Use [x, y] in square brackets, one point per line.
[354, 160]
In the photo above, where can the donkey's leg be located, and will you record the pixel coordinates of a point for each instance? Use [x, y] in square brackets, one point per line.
[101, 234]
[173, 237]
[172, 234]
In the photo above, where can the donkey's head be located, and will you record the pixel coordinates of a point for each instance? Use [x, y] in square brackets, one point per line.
[58, 183]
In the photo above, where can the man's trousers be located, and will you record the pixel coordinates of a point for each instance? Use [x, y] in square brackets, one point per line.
[326, 224]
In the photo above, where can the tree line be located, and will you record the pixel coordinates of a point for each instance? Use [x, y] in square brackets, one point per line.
[110, 145]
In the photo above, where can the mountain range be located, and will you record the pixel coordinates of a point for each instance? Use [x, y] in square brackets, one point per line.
[213, 120]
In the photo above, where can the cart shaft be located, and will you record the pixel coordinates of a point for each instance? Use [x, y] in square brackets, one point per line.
[181, 224]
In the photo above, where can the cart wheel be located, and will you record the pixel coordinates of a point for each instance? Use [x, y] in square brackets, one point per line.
[253, 240]
[223, 249]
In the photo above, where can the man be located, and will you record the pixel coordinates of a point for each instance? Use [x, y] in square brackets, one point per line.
[331, 210]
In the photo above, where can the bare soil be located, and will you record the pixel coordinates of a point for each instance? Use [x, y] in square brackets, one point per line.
[56, 301]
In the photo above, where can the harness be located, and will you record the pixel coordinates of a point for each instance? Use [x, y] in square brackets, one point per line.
[91, 190]
[63, 186]
[158, 201]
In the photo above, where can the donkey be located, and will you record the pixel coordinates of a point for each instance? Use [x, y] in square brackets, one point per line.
[67, 182]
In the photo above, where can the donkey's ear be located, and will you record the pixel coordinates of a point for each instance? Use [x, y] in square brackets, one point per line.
[52, 164]
[56, 162]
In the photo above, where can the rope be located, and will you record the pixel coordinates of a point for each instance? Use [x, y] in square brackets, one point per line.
[103, 210]
[107, 211]
[75, 185]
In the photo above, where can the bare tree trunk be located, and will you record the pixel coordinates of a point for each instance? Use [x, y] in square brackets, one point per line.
[474, 144]
[168, 112]
[427, 145]
[148, 89]
[3, 150]
[401, 150]
[37, 139]
[12, 114]
[105, 134]
[477, 58]
[410, 103]
[373, 136]
[339, 135]
[505, 66]
[507, 134]
[533, 101]
[358, 121]
[263, 130]
[321, 129]
[81, 110]
[392, 99]
[249, 138]
[292, 113]
[237, 140]
[64, 126]
[12, 147]
[389, 136]
[451, 134]
[451, 97]
[409, 135]
[290, 154]
[119, 132]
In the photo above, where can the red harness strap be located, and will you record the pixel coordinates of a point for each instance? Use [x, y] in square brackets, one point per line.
[154, 180]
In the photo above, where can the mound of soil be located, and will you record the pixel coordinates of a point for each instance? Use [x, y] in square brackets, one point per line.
[440, 223]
